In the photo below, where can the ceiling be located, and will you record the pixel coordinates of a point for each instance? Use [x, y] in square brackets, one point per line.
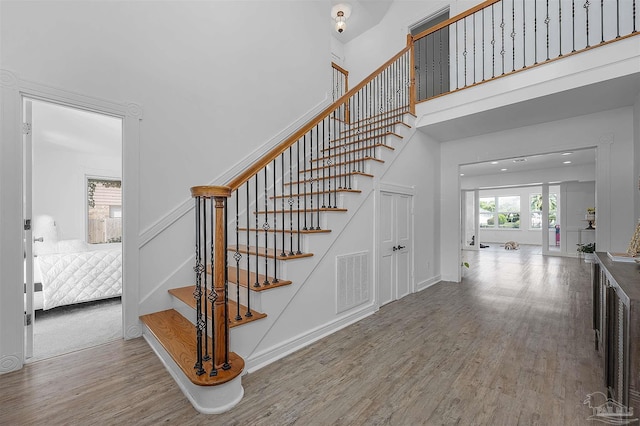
[365, 14]
[533, 162]
[75, 130]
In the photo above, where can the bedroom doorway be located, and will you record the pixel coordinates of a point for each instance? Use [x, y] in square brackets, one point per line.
[72, 193]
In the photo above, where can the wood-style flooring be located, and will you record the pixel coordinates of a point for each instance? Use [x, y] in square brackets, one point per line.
[512, 344]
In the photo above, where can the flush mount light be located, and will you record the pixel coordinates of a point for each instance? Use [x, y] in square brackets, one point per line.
[340, 13]
[503, 170]
[566, 162]
[461, 174]
[567, 153]
[494, 162]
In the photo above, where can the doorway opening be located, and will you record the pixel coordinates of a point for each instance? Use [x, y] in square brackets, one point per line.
[73, 248]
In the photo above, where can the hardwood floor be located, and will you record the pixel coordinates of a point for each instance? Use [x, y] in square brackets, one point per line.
[511, 344]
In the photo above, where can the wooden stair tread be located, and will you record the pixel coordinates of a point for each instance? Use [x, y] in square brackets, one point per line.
[338, 176]
[185, 295]
[259, 251]
[352, 137]
[177, 335]
[232, 273]
[344, 163]
[314, 210]
[292, 195]
[367, 127]
[289, 231]
[396, 112]
[364, 148]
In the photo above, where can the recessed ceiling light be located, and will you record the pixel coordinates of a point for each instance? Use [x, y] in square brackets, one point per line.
[503, 170]
[494, 162]
[566, 162]
[567, 153]
[461, 174]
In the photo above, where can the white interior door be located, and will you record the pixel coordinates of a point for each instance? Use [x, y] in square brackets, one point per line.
[28, 234]
[395, 246]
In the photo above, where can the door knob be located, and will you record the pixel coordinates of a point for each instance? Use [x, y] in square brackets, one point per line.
[41, 239]
[401, 247]
[394, 248]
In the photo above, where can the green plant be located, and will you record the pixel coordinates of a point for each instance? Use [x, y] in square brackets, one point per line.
[465, 264]
[586, 248]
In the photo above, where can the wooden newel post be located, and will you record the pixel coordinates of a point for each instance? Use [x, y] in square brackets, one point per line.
[220, 313]
[218, 296]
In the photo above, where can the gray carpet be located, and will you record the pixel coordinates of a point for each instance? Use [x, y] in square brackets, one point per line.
[70, 328]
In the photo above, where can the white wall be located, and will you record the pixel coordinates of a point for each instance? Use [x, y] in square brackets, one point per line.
[575, 198]
[60, 188]
[636, 151]
[610, 131]
[216, 80]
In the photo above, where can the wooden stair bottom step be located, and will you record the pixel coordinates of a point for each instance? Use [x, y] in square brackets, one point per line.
[178, 337]
[185, 294]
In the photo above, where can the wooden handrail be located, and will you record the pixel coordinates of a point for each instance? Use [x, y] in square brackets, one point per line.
[266, 159]
[210, 191]
[339, 68]
[455, 19]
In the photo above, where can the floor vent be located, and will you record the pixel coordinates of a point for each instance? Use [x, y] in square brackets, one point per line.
[352, 280]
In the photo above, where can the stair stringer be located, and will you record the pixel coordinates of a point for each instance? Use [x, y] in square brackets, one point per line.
[255, 342]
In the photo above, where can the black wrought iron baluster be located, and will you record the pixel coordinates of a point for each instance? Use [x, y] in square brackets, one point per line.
[535, 31]
[318, 179]
[524, 35]
[617, 18]
[602, 20]
[237, 256]
[282, 175]
[547, 20]
[265, 227]
[473, 41]
[298, 194]
[464, 52]
[257, 232]
[441, 90]
[560, 26]
[330, 123]
[306, 178]
[291, 201]
[275, 224]
[573, 24]
[324, 165]
[334, 155]
[197, 294]
[457, 60]
[313, 171]
[416, 68]
[433, 64]
[483, 49]
[513, 35]
[225, 365]
[493, 41]
[502, 25]
[212, 295]
[634, 16]
[248, 314]
[586, 8]
[207, 356]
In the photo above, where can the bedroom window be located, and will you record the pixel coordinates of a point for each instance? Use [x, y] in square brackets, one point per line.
[104, 201]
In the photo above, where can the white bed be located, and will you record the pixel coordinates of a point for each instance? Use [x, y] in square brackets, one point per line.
[72, 271]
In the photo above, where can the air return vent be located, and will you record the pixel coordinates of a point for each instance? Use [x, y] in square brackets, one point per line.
[353, 284]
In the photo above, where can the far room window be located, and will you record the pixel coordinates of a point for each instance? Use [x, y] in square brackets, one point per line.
[535, 209]
[104, 201]
[500, 212]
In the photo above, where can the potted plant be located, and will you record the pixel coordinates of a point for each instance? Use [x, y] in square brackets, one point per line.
[588, 249]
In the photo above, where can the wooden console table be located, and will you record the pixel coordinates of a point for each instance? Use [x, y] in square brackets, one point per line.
[616, 321]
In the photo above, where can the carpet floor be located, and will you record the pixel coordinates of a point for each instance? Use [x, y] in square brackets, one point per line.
[70, 328]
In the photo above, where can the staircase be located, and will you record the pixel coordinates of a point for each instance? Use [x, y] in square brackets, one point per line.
[260, 237]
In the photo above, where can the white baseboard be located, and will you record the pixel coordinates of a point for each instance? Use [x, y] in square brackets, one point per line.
[422, 285]
[270, 355]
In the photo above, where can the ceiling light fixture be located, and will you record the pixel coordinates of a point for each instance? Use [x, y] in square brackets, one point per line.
[494, 162]
[567, 153]
[503, 170]
[340, 13]
[566, 162]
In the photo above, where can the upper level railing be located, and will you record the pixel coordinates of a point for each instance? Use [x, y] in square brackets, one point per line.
[500, 37]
